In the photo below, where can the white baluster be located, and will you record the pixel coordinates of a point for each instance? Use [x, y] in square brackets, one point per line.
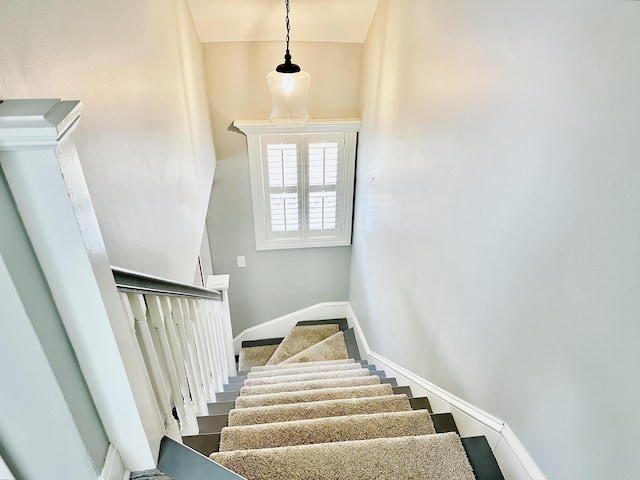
[143, 333]
[208, 320]
[202, 349]
[156, 316]
[208, 340]
[212, 320]
[194, 376]
[190, 426]
[219, 319]
[221, 283]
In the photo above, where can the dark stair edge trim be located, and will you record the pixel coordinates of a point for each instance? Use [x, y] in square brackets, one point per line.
[481, 458]
[204, 443]
[212, 423]
[444, 423]
[341, 322]
[420, 403]
[184, 463]
[229, 396]
[352, 345]
[263, 342]
[220, 408]
[403, 391]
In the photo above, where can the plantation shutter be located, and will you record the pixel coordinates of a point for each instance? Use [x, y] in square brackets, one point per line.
[304, 177]
[324, 168]
[282, 186]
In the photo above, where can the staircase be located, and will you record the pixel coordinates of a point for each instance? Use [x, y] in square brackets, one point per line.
[307, 407]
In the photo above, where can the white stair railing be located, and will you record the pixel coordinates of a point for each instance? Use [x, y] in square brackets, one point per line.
[180, 331]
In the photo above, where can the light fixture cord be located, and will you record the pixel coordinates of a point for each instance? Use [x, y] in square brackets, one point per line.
[287, 56]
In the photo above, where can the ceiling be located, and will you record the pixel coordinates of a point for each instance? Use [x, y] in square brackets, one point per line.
[263, 20]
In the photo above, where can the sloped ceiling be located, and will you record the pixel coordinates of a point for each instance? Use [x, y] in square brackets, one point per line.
[263, 20]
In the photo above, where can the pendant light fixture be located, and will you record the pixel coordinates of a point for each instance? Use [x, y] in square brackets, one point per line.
[289, 87]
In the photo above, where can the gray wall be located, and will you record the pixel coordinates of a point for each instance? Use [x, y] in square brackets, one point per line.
[497, 226]
[145, 138]
[274, 282]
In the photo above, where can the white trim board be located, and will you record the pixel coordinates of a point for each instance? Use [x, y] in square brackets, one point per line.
[514, 460]
[113, 467]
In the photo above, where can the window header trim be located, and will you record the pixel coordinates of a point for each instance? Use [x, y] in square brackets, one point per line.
[326, 125]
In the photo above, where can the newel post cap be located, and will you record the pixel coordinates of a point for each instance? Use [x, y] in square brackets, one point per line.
[36, 123]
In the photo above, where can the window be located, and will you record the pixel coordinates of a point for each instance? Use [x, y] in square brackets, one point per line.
[302, 182]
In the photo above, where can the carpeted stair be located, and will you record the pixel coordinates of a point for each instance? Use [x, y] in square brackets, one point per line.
[301, 338]
[326, 430]
[313, 395]
[309, 413]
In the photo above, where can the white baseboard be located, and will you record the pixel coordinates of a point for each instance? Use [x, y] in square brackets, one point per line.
[279, 327]
[514, 460]
[113, 467]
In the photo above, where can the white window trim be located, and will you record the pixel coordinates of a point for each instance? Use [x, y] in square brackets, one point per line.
[253, 129]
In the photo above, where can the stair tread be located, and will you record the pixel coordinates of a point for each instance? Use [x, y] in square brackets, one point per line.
[313, 395]
[324, 408]
[325, 430]
[425, 456]
[263, 368]
[331, 348]
[301, 370]
[299, 339]
[302, 377]
[310, 385]
[255, 356]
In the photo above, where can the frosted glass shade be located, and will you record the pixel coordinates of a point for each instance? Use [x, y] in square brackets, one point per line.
[289, 93]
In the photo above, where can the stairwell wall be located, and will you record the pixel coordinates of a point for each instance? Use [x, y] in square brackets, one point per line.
[145, 139]
[277, 281]
[495, 241]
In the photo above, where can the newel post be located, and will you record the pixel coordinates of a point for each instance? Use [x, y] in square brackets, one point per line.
[41, 166]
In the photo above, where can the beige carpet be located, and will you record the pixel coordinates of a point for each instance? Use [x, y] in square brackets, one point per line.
[301, 338]
[312, 414]
[332, 348]
[305, 377]
[310, 385]
[266, 368]
[313, 395]
[426, 457]
[325, 430]
[299, 370]
[325, 408]
[254, 356]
